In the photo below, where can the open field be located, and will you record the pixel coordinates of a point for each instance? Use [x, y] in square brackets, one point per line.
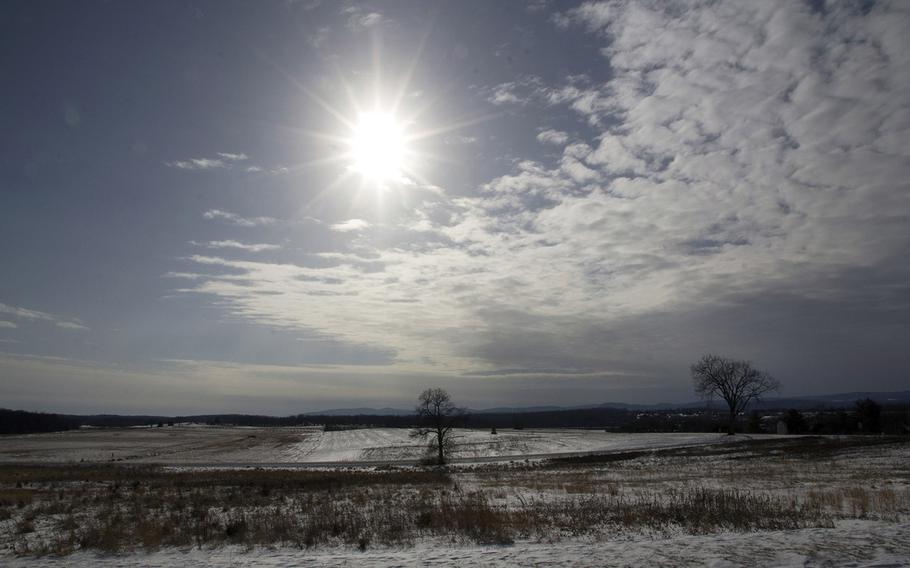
[256, 446]
[778, 501]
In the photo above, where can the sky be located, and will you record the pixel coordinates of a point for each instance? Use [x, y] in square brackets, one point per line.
[564, 203]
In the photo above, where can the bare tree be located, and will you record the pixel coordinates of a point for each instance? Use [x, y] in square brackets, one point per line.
[737, 382]
[440, 416]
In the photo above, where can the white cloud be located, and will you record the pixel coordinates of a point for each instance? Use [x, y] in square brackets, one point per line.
[233, 157]
[25, 313]
[34, 315]
[615, 158]
[185, 275]
[555, 137]
[520, 91]
[256, 247]
[359, 19]
[71, 325]
[467, 140]
[225, 160]
[235, 219]
[350, 225]
[197, 164]
[740, 151]
[8, 324]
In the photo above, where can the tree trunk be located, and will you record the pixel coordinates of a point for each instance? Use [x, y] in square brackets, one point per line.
[439, 447]
[731, 429]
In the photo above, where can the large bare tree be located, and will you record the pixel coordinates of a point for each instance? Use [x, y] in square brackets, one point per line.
[737, 382]
[440, 416]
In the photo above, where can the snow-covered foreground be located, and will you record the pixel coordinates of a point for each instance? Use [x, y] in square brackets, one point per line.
[777, 501]
[253, 446]
[854, 543]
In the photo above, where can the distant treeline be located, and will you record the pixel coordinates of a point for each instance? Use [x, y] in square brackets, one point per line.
[893, 419]
[860, 418]
[22, 422]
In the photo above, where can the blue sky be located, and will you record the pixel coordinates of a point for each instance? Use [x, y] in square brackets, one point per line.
[596, 194]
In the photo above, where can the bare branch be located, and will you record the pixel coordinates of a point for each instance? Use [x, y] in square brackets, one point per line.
[440, 416]
[737, 382]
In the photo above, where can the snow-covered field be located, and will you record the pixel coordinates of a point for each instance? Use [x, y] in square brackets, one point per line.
[252, 446]
[390, 444]
[855, 543]
[683, 500]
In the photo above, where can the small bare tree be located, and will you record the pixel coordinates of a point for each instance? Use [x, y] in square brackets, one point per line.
[440, 416]
[737, 382]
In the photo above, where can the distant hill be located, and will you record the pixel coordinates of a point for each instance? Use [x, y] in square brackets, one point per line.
[801, 402]
[385, 411]
[896, 397]
[522, 409]
[607, 414]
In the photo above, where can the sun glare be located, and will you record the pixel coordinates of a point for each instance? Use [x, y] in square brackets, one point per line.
[378, 147]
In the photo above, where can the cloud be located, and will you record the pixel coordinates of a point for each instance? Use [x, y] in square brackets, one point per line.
[25, 313]
[359, 19]
[744, 171]
[554, 137]
[318, 38]
[350, 225]
[235, 219]
[518, 92]
[182, 386]
[237, 245]
[70, 325]
[466, 140]
[197, 164]
[34, 315]
[278, 170]
[225, 160]
[233, 157]
[186, 275]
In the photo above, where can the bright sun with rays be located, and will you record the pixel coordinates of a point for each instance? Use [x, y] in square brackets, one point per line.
[378, 149]
[379, 143]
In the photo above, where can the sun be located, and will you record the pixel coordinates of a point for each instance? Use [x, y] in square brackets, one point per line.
[378, 149]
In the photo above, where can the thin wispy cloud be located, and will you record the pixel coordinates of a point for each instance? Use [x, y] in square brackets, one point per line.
[359, 19]
[225, 161]
[238, 220]
[350, 225]
[319, 38]
[230, 244]
[230, 157]
[197, 164]
[25, 313]
[35, 315]
[72, 326]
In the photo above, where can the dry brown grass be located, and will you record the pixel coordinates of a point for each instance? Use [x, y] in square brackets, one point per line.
[16, 497]
[110, 508]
